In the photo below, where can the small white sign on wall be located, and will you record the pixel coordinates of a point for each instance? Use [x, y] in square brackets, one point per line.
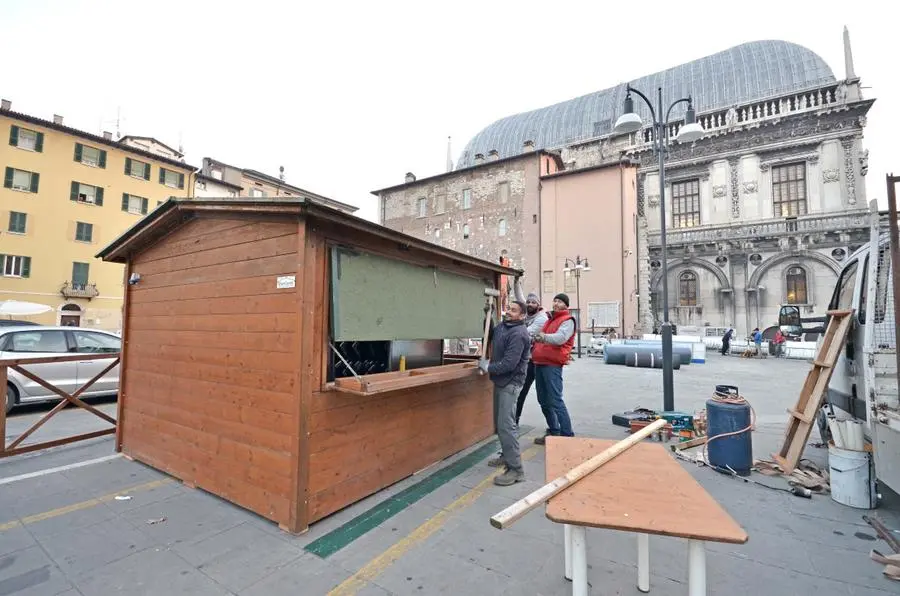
[286, 281]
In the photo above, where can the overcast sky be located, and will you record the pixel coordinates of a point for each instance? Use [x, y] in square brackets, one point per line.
[349, 96]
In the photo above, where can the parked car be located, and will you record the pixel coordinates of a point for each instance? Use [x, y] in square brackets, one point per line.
[17, 323]
[33, 342]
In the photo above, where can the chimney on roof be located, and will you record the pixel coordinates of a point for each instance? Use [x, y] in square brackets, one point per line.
[528, 146]
[107, 135]
[410, 177]
[479, 158]
[493, 155]
[5, 105]
[57, 119]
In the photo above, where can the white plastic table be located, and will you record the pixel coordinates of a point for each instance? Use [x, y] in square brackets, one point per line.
[644, 490]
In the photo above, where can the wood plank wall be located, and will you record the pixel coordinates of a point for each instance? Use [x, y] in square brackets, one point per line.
[211, 390]
[359, 445]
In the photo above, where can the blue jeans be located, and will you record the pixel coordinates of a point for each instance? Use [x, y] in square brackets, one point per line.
[549, 384]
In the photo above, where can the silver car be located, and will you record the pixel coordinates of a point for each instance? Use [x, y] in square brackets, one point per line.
[32, 342]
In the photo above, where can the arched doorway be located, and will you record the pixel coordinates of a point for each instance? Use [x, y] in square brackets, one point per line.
[70, 315]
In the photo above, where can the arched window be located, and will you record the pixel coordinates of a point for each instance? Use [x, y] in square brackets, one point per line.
[687, 289]
[501, 227]
[797, 291]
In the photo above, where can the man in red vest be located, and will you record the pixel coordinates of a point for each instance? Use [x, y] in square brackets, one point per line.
[552, 347]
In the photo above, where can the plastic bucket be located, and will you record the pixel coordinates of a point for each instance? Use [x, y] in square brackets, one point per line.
[852, 478]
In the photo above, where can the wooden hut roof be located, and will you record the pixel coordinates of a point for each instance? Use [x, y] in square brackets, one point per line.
[177, 211]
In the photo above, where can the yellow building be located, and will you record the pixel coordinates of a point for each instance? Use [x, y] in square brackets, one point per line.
[65, 195]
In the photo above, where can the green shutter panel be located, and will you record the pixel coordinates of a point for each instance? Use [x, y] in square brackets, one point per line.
[147, 172]
[14, 135]
[98, 197]
[2, 265]
[181, 181]
[73, 194]
[102, 159]
[124, 201]
[8, 177]
[144, 205]
[162, 175]
[127, 166]
[39, 143]
[35, 180]
[78, 149]
[26, 266]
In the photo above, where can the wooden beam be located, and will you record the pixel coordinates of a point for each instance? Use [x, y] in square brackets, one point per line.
[56, 443]
[123, 358]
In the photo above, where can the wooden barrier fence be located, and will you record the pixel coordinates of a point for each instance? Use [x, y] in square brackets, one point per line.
[17, 364]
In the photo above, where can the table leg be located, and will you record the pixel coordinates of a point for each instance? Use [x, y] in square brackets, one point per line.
[643, 562]
[567, 541]
[696, 568]
[579, 561]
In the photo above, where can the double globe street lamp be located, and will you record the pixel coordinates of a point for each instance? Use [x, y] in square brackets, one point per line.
[689, 132]
[576, 267]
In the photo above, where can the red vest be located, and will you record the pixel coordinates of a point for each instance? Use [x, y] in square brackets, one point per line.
[554, 355]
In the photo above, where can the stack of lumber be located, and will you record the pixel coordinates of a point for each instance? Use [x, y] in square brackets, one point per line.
[806, 474]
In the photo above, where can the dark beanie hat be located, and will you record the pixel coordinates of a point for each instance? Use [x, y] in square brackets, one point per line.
[562, 298]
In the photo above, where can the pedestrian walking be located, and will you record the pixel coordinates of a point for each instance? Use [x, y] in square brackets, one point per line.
[726, 341]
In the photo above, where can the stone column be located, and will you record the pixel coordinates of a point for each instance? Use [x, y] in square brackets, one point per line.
[645, 316]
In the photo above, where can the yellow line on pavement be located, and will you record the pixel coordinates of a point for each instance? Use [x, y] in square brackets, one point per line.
[37, 517]
[379, 564]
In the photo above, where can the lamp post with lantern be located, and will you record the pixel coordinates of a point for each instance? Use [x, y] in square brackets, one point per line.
[577, 266]
[689, 132]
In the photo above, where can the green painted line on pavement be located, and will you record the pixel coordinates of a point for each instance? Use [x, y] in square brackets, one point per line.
[338, 538]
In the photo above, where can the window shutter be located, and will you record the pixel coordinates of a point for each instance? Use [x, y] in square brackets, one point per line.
[78, 149]
[39, 142]
[124, 201]
[35, 180]
[2, 265]
[8, 178]
[98, 197]
[144, 205]
[102, 159]
[162, 175]
[73, 194]
[181, 181]
[26, 266]
[147, 172]
[13, 135]
[128, 166]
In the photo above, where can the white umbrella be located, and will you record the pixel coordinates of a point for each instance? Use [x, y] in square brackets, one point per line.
[16, 308]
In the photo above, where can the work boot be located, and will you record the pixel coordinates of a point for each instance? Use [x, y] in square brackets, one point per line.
[509, 477]
[542, 440]
[496, 462]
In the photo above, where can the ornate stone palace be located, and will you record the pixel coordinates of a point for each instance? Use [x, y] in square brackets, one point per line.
[760, 212]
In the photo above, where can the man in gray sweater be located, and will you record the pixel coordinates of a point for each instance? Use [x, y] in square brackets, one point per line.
[507, 368]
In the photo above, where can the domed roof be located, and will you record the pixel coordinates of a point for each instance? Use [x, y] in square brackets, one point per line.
[743, 73]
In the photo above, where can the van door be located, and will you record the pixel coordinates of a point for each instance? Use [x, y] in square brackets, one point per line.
[842, 389]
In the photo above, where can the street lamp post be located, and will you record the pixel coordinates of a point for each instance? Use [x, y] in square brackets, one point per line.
[577, 266]
[690, 131]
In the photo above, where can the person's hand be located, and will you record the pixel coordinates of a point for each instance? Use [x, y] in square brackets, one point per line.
[483, 364]
[539, 337]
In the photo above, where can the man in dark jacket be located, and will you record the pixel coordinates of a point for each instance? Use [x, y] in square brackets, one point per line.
[507, 368]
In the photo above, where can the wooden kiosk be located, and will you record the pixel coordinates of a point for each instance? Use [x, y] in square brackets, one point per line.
[264, 348]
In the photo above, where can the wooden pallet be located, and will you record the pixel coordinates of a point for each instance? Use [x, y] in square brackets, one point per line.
[803, 414]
